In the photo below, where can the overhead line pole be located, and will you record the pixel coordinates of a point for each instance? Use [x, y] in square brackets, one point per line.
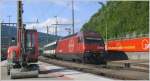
[56, 25]
[9, 26]
[9, 18]
[72, 17]
[47, 28]
[105, 23]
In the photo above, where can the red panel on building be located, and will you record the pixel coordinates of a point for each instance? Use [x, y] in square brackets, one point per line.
[129, 45]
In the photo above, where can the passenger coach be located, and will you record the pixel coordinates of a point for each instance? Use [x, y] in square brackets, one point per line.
[49, 49]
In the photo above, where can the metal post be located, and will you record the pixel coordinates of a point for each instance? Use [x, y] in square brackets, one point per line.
[20, 30]
[72, 17]
[34, 26]
[9, 29]
[37, 21]
[69, 30]
[19, 21]
[47, 32]
[9, 19]
[105, 24]
[56, 25]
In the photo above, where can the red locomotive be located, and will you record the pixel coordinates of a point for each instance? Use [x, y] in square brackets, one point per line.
[87, 47]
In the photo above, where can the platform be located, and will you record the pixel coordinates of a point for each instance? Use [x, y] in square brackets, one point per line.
[53, 72]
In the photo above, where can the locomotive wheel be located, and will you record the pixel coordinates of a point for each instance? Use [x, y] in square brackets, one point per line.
[97, 59]
[103, 58]
[93, 59]
[79, 60]
[87, 58]
[84, 59]
[90, 58]
[73, 60]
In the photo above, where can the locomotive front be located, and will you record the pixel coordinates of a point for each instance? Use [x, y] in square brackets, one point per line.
[94, 48]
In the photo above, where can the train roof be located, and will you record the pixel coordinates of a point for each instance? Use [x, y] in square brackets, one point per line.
[77, 33]
[69, 36]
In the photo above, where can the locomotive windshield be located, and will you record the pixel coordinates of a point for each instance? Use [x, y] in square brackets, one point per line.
[94, 41]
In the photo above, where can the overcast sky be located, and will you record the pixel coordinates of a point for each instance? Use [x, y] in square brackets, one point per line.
[45, 10]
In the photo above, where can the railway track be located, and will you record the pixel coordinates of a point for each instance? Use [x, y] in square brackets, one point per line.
[103, 70]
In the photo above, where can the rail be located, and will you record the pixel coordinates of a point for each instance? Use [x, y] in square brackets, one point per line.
[115, 72]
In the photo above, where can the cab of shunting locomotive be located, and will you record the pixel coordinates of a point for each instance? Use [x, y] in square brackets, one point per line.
[31, 43]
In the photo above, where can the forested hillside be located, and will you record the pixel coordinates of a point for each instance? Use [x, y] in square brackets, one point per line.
[120, 18]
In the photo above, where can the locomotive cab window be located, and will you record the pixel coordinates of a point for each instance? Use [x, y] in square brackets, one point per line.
[89, 40]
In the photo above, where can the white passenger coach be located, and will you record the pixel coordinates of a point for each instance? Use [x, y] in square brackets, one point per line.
[49, 49]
